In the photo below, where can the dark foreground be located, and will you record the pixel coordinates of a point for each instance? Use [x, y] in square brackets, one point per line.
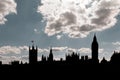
[66, 70]
[60, 72]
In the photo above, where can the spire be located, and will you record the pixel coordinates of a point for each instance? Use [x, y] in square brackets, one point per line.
[95, 39]
[32, 44]
[50, 58]
[50, 49]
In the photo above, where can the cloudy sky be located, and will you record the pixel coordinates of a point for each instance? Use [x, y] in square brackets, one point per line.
[66, 25]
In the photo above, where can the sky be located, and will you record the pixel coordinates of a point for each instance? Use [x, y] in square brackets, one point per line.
[66, 25]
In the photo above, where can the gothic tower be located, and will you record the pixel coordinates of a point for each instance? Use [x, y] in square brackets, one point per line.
[50, 58]
[94, 48]
[33, 55]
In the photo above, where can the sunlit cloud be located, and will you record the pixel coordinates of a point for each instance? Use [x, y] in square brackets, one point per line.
[6, 7]
[77, 18]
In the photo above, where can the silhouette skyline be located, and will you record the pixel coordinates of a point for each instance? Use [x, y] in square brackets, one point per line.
[73, 62]
[75, 57]
[71, 58]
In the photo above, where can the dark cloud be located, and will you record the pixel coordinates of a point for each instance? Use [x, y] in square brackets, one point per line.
[68, 18]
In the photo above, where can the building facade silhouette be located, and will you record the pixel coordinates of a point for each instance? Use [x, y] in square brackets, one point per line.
[33, 54]
[95, 48]
[115, 58]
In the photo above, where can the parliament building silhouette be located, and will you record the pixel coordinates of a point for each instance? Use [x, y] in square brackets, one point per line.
[72, 63]
[74, 57]
[69, 58]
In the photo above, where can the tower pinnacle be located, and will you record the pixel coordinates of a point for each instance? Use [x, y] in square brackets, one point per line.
[94, 48]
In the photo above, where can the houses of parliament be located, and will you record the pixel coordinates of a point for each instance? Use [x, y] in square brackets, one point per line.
[72, 63]
[74, 57]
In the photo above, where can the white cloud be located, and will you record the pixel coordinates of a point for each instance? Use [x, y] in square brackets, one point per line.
[9, 49]
[59, 48]
[36, 31]
[23, 48]
[70, 50]
[12, 53]
[88, 50]
[43, 50]
[59, 37]
[116, 43]
[8, 59]
[77, 18]
[101, 50]
[13, 49]
[24, 58]
[84, 50]
[46, 50]
[6, 7]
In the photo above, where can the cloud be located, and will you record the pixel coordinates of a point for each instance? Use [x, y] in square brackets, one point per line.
[43, 50]
[77, 18]
[9, 49]
[59, 37]
[71, 50]
[88, 50]
[116, 43]
[84, 50]
[68, 50]
[116, 46]
[101, 50]
[20, 53]
[24, 58]
[12, 49]
[59, 48]
[55, 49]
[6, 7]
[8, 59]
[12, 53]
[36, 31]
